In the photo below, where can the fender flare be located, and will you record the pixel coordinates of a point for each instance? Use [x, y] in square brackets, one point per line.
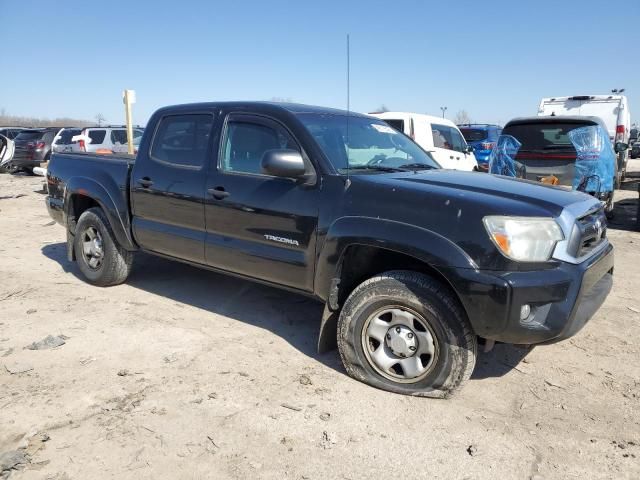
[422, 244]
[112, 203]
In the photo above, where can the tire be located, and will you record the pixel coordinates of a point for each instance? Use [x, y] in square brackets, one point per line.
[609, 207]
[108, 265]
[426, 302]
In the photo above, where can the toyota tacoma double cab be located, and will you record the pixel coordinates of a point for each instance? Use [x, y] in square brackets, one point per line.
[413, 263]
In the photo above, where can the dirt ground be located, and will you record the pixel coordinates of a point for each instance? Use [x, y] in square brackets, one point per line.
[183, 373]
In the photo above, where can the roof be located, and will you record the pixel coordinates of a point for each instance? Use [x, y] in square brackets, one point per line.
[478, 125]
[421, 116]
[295, 108]
[556, 119]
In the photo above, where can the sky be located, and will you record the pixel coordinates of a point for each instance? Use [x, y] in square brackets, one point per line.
[493, 59]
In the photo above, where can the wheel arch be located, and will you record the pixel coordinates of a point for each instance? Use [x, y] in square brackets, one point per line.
[84, 193]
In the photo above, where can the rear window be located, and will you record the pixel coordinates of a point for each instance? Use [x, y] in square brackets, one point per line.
[96, 136]
[66, 136]
[397, 124]
[474, 134]
[182, 139]
[29, 135]
[544, 136]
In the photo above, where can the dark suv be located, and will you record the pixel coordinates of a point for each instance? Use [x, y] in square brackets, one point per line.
[483, 138]
[33, 147]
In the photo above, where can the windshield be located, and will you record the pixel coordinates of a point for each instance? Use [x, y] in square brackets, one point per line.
[364, 143]
[66, 136]
[27, 135]
[544, 136]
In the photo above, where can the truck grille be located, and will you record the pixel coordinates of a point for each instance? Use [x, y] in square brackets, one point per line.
[590, 231]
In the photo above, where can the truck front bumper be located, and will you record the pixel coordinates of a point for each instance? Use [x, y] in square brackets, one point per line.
[561, 299]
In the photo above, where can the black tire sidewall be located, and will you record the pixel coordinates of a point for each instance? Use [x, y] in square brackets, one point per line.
[444, 322]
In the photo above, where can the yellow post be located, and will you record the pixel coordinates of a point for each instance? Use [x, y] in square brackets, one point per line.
[129, 98]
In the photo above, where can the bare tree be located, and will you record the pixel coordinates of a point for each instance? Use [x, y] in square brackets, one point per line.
[99, 119]
[462, 117]
[382, 108]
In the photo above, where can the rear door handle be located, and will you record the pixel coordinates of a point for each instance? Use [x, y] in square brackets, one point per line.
[145, 182]
[218, 193]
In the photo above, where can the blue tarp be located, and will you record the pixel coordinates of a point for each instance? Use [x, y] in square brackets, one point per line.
[502, 160]
[595, 159]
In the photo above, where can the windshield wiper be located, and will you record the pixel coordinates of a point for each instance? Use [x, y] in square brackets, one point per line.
[379, 168]
[418, 166]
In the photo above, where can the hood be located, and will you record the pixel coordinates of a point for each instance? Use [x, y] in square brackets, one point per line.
[493, 192]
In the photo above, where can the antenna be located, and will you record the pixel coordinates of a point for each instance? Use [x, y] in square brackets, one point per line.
[348, 182]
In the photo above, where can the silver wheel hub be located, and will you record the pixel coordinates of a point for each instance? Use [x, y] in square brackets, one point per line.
[399, 344]
[92, 249]
[402, 341]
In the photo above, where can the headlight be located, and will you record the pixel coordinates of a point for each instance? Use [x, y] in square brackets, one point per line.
[525, 239]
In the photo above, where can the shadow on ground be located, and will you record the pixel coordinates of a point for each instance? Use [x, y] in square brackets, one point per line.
[293, 317]
[627, 211]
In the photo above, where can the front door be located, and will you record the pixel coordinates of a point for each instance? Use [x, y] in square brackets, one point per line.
[449, 146]
[258, 225]
[168, 187]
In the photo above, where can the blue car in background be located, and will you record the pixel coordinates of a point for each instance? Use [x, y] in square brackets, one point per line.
[483, 138]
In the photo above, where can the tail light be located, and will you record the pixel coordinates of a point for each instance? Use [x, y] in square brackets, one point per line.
[81, 145]
[39, 145]
[620, 133]
[487, 145]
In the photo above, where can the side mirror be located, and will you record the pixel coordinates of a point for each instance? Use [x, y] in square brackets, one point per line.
[620, 147]
[283, 163]
[468, 149]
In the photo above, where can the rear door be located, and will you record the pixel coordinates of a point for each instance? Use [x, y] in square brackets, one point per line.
[168, 185]
[258, 225]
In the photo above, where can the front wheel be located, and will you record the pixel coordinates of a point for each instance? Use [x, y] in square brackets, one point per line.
[407, 333]
[101, 260]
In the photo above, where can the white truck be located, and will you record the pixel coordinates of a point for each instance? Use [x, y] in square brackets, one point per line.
[612, 109]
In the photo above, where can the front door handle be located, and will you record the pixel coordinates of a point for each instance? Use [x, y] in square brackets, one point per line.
[218, 193]
[145, 182]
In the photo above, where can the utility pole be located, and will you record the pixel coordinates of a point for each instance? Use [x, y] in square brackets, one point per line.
[444, 109]
[129, 98]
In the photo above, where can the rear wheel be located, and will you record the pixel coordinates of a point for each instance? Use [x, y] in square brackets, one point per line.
[101, 260]
[406, 333]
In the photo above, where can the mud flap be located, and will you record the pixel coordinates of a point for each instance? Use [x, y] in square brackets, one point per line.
[327, 337]
[71, 254]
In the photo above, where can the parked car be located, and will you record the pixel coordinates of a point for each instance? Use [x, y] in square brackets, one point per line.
[7, 148]
[573, 152]
[482, 137]
[633, 136]
[11, 132]
[63, 141]
[436, 135]
[102, 139]
[413, 262]
[124, 147]
[612, 109]
[635, 150]
[32, 148]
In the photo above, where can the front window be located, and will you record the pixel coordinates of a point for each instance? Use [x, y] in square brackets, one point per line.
[364, 143]
[447, 137]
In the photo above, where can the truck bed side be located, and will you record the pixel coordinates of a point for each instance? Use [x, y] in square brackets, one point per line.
[78, 181]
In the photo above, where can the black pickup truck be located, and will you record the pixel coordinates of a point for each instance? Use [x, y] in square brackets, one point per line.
[413, 263]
